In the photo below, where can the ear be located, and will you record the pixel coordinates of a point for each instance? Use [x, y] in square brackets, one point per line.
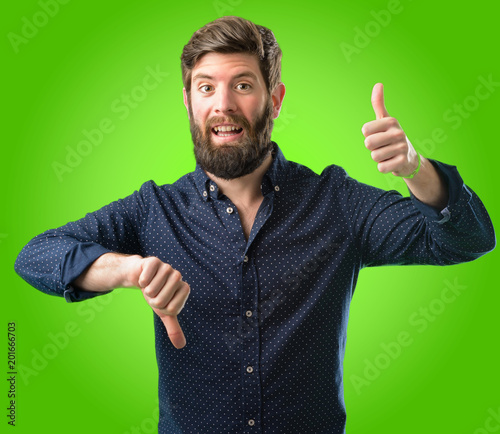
[185, 100]
[277, 96]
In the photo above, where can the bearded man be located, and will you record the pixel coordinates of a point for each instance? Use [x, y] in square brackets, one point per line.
[250, 261]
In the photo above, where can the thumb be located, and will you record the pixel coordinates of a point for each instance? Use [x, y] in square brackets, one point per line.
[378, 101]
[174, 330]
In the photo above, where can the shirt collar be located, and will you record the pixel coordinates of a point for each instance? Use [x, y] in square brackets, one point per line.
[271, 180]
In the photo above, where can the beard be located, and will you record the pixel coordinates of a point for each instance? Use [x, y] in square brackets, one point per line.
[240, 157]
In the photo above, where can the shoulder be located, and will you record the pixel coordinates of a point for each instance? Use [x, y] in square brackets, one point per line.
[181, 191]
[332, 176]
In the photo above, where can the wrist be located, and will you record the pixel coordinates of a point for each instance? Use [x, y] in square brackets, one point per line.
[416, 170]
[107, 272]
[127, 269]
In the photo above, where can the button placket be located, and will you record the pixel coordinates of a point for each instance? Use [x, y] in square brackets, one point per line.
[252, 391]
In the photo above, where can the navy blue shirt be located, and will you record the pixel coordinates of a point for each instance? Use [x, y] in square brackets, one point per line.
[266, 319]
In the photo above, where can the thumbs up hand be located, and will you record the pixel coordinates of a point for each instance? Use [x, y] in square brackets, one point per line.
[386, 140]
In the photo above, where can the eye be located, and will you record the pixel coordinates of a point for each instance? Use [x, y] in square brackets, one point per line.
[243, 86]
[204, 88]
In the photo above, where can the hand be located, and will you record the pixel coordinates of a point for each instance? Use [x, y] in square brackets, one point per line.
[164, 290]
[386, 140]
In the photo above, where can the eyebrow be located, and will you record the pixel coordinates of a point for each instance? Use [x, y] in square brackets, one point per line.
[249, 74]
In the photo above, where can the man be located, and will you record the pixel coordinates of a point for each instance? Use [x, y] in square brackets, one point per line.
[250, 262]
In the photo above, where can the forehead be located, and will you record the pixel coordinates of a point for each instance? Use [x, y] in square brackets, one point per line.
[220, 65]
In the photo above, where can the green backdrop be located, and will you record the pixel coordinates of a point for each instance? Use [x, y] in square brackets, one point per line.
[418, 359]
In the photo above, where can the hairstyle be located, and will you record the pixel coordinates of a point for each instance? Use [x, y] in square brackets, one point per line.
[234, 35]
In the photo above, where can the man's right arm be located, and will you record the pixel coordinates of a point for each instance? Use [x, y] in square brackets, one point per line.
[102, 251]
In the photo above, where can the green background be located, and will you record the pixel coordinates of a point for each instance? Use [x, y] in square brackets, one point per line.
[67, 77]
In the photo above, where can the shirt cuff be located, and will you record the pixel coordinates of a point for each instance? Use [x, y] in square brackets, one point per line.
[73, 264]
[458, 194]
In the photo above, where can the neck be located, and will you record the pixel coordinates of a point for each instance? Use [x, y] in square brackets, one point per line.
[246, 189]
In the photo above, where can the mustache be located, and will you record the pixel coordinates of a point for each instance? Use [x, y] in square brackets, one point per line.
[232, 119]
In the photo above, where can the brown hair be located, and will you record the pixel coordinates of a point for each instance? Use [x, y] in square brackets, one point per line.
[234, 35]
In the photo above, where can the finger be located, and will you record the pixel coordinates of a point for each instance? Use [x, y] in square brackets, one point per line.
[178, 300]
[391, 164]
[385, 138]
[174, 330]
[167, 292]
[378, 101]
[158, 282]
[387, 152]
[149, 270]
[379, 125]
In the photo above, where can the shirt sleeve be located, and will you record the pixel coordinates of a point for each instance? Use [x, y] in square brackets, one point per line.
[53, 259]
[394, 230]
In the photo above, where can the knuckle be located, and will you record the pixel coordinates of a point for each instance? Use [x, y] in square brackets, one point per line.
[170, 310]
[399, 135]
[402, 146]
[154, 303]
[382, 168]
[393, 122]
[176, 274]
[142, 281]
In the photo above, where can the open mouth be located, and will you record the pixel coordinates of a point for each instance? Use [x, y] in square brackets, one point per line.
[227, 130]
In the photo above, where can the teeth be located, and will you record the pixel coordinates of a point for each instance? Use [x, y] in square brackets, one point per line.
[225, 128]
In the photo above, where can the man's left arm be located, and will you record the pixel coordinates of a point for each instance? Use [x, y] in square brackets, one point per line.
[456, 224]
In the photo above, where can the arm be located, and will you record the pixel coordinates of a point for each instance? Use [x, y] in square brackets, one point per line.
[443, 222]
[100, 252]
[52, 260]
[394, 230]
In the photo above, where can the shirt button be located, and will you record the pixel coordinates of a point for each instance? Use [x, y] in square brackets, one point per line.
[229, 210]
[212, 188]
[248, 313]
[245, 259]
[277, 187]
[251, 422]
[205, 193]
[249, 369]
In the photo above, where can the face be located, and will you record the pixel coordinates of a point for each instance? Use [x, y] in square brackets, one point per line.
[231, 114]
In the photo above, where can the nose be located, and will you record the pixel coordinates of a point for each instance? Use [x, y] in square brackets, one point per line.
[224, 101]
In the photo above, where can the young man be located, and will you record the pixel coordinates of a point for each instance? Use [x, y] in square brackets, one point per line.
[250, 262]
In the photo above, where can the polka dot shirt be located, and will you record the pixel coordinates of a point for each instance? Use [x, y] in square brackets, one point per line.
[266, 319]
